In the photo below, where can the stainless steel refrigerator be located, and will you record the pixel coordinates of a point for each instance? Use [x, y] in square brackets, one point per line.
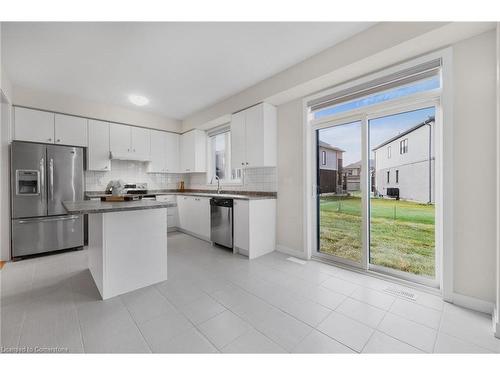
[42, 177]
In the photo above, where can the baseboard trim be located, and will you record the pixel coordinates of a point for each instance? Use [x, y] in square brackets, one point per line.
[496, 323]
[472, 303]
[193, 234]
[289, 251]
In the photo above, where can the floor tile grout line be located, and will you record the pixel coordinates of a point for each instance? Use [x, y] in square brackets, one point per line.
[258, 330]
[382, 291]
[405, 342]
[21, 328]
[80, 329]
[190, 322]
[135, 323]
[467, 341]
[378, 324]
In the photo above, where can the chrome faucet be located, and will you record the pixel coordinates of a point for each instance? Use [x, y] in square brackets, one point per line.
[218, 182]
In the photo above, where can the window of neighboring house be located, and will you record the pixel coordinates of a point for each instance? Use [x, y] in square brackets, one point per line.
[388, 176]
[220, 159]
[388, 152]
[323, 157]
[397, 176]
[403, 146]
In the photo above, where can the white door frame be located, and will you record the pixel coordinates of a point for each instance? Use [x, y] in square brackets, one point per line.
[444, 177]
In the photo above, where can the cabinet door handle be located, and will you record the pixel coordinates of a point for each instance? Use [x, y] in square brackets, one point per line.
[58, 140]
[247, 162]
[50, 139]
[105, 167]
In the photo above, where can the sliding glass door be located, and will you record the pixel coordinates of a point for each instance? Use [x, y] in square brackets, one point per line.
[402, 198]
[375, 201]
[339, 192]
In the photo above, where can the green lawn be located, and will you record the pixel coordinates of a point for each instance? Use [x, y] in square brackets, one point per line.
[401, 232]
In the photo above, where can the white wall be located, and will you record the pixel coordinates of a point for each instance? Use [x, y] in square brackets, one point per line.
[475, 167]
[81, 107]
[5, 108]
[290, 203]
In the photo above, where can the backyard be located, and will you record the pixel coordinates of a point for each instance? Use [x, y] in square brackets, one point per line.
[401, 233]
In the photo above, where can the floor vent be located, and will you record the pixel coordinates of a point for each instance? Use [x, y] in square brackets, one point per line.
[297, 260]
[401, 293]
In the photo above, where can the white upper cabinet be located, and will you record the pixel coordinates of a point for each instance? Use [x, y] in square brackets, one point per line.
[70, 130]
[164, 152]
[119, 139]
[172, 152]
[193, 151]
[141, 139]
[34, 126]
[254, 133]
[158, 152]
[98, 150]
[238, 140]
[129, 142]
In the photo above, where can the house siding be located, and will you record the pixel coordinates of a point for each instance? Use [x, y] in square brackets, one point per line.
[416, 171]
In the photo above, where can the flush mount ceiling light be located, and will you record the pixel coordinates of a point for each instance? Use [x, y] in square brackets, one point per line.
[138, 100]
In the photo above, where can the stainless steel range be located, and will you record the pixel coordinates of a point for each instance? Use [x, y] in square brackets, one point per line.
[42, 177]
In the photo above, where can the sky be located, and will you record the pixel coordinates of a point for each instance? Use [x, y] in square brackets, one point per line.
[348, 136]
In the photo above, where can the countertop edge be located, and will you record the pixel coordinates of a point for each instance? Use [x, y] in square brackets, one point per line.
[105, 207]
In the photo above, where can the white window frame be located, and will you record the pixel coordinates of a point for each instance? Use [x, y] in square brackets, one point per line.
[210, 161]
[442, 99]
[389, 152]
[323, 157]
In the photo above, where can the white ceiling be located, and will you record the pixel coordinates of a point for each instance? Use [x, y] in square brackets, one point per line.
[180, 67]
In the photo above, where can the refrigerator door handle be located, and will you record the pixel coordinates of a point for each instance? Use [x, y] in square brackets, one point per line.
[51, 179]
[42, 179]
[47, 219]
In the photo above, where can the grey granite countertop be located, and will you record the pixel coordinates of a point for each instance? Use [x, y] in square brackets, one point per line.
[94, 207]
[200, 193]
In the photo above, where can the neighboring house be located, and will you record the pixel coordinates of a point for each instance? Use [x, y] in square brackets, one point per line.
[404, 164]
[352, 176]
[330, 163]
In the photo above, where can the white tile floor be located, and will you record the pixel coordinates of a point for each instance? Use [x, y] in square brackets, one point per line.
[215, 301]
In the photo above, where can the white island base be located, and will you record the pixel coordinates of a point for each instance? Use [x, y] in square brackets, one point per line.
[127, 250]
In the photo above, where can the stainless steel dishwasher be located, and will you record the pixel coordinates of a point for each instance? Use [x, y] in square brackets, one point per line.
[221, 221]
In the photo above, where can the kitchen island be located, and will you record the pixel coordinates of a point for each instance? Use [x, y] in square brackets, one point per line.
[127, 243]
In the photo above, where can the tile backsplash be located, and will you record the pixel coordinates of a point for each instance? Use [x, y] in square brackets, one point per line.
[131, 171]
[254, 179]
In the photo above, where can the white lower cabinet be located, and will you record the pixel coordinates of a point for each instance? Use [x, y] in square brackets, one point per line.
[172, 212]
[254, 226]
[194, 215]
